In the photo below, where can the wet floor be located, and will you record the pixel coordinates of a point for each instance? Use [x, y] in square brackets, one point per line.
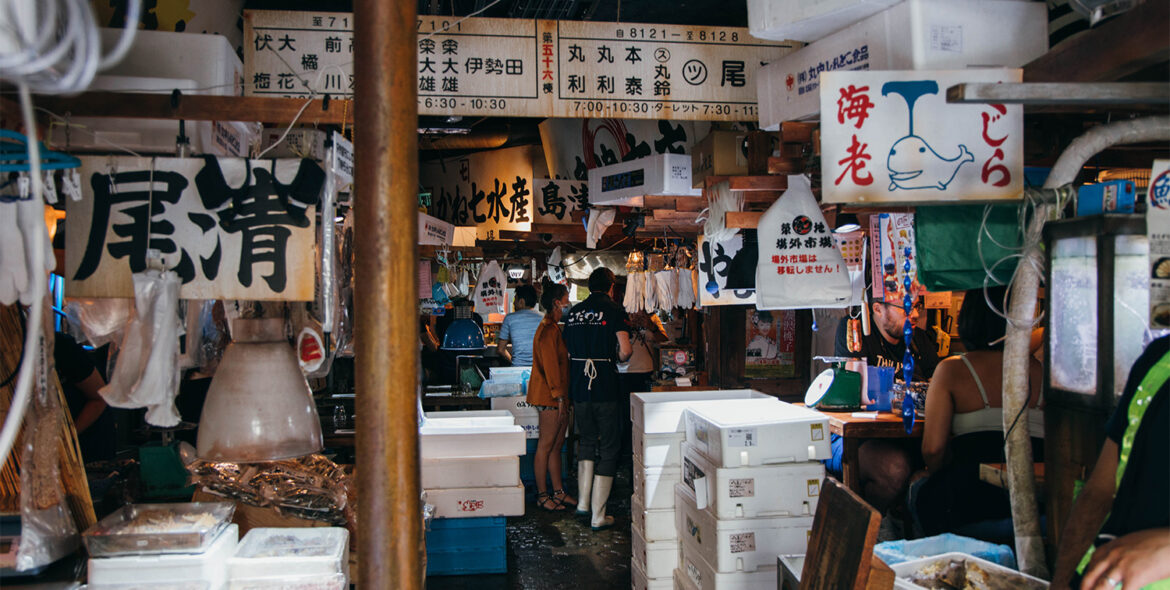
[555, 550]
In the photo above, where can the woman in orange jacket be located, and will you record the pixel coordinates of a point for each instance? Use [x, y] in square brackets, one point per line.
[548, 392]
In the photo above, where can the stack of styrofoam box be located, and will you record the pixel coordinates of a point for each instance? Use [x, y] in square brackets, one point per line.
[911, 35]
[162, 569]
[310, 557]
[751, 479]
[471, 463]
[658, 431]
[526, 416]
[160, 62]
[807, 20]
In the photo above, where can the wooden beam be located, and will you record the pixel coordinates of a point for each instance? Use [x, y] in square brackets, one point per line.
[751, 183]
[796, 132]
[785, 165]
[1118, 48]
[743, 219]
[194, 107]
[1056, 93]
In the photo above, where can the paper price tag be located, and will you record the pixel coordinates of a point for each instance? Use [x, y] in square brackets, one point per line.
[742, 488]
[742, 437]
[742, 542]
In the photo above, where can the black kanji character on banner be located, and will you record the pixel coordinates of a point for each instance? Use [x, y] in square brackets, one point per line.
[733, 74]
[262, 211]
[145, 207]
[673, 140]
[450, 47]
[519, 201]
[633, 54]
[604, 53]
[552, 203]
[286, 42]
[576, 54]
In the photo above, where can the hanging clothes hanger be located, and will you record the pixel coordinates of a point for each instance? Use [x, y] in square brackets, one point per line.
[14, 154]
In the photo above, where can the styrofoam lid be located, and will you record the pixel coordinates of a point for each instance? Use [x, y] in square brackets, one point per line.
[753, 412]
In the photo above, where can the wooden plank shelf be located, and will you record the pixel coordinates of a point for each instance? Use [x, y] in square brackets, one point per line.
[750, 183]
[785, 165]
[743, 219]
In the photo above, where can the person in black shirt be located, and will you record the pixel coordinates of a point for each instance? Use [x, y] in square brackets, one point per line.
[597, 336]
[1126, 502]
[80, 381]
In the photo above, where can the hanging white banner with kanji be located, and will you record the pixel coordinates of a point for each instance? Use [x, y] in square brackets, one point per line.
[891, 137]
[714, 267]
[491, 190]
[556, 200]
[230, 228]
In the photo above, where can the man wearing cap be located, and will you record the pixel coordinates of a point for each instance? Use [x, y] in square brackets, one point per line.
[597, 336]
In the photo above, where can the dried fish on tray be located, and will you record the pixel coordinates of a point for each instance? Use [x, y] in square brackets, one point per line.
[959, 571]
[158, 528]
[312, 487]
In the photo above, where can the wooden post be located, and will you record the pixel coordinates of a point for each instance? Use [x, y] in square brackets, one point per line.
[386, 295]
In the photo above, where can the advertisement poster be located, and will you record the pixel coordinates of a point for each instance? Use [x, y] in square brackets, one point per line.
[890, 235]
[771, 343]
[1158, 233]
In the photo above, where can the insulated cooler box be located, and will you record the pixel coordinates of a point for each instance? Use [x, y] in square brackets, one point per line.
[475, 502]
[477, 472]
[658, 450]
[163, 568]
[470, 418]
[662, 412]
[640, 581]
[699, 575]
[655, 525]
[654, 486]
[288, 557]
[741, 545]
[758, 432]
[657, 558]
[807, 20]
[461, 442]
[526, 416]
[911, 35]
[789, 489]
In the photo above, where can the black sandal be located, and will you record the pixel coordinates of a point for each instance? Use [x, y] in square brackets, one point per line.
[542, 500]
[560, 496]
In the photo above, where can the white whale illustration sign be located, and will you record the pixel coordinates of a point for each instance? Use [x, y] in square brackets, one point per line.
[890, 137]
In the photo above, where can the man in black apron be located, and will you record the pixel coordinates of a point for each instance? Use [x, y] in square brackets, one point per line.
[598, 337]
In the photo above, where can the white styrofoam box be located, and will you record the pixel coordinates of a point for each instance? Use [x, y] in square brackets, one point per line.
[1006, 577]
[657, 558]
[476, 502]
[314, 582]
[912, 35]
[788, 489]
[654, 486]
[478, 472]
[655, 525]
[279, 552]
[471, 418]
[702, 576]
[662, 411]
[807, 20]
[758, 432]
[625, 183]
[530, 424]
[640, 581]
[209, 566]
[658, 450]
[301, 142]
[437, 442]
[745, 544]
[184, 585]
[157, 63]
[517, 404]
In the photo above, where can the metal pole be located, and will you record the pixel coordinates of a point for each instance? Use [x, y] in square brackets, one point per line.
[386, 295]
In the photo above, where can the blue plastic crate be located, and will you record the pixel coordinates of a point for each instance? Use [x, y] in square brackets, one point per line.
[460, 546]
[447, 534]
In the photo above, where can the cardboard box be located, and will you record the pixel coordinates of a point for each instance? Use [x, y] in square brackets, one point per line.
[913, 35]
[625, 183]
[721, 153]
[807, 20]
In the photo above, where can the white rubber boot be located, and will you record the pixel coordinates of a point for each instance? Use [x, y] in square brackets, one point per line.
[602, 484]
[584, 485]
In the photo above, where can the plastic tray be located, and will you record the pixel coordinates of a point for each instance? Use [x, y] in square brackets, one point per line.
[1004, 577]
[282, 552]
[158, 528]
[165, 569]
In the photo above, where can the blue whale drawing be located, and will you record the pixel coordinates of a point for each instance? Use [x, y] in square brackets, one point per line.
[913, 164]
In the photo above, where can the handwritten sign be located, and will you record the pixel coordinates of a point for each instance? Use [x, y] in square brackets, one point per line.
[714, 267]
[491, 190]
[230, 228]
[533, 68]
[891, 137]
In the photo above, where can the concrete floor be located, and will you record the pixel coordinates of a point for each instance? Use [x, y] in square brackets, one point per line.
[555, 550]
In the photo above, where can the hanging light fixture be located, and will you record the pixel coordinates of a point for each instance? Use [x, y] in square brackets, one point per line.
[463, 333]
[259, 406]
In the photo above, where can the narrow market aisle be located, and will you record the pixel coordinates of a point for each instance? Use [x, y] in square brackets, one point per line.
[556, 550]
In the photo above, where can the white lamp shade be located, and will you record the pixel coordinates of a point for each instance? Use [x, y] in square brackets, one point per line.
[259, 406]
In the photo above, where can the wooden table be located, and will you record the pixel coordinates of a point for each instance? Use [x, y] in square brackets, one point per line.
[854, 431]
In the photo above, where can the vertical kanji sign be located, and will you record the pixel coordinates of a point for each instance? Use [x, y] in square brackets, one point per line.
[891, 137]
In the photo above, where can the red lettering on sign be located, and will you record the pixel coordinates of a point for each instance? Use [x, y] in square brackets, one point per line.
[855, 164]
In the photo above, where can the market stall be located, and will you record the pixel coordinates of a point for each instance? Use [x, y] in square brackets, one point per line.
[346, 327]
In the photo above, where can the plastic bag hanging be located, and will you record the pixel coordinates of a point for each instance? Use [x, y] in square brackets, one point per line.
[799, 264]
[146, 372]
[600, 218]
[489, 290]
